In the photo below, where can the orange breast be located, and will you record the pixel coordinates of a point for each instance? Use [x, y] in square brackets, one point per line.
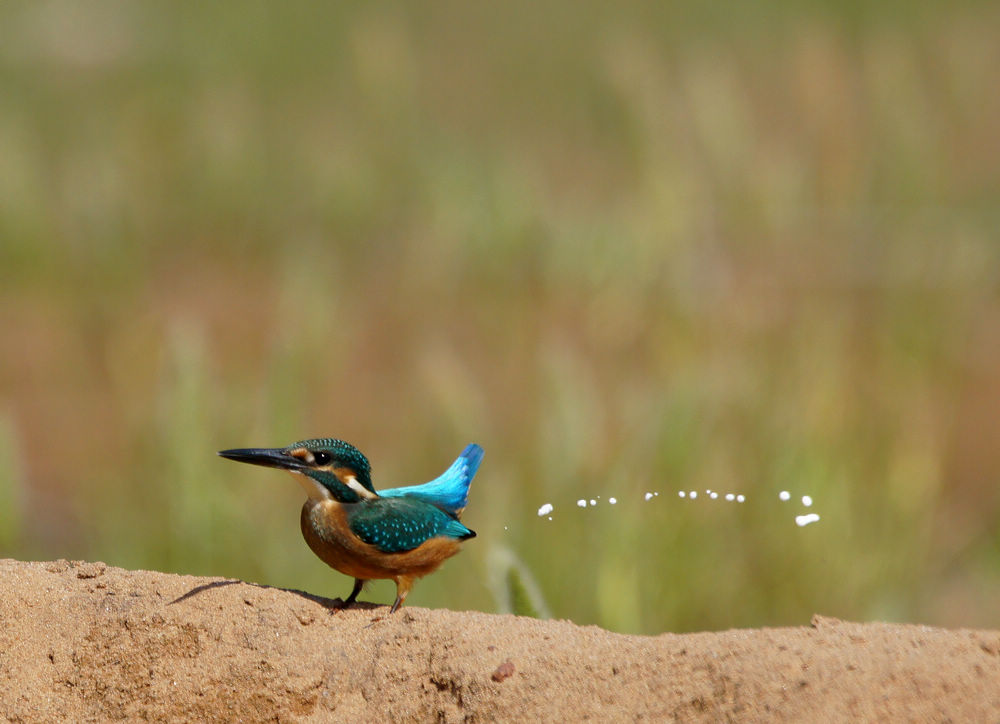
[324, 526]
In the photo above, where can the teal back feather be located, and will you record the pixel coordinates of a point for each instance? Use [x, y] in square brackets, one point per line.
[394, 525]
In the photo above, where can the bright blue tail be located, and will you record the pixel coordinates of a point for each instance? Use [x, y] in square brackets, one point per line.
[450, 491]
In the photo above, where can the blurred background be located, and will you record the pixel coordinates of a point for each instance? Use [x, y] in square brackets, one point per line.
[626, 247]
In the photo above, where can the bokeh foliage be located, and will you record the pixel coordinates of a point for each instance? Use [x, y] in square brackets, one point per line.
[626, 247]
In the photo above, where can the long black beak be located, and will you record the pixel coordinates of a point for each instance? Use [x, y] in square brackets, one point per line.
[268, 457]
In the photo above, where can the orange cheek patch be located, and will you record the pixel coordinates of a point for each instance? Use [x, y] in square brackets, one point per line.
[301, 453]
[343, 474]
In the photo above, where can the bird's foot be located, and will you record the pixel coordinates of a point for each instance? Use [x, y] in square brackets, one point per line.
[339, 605]
[346, 602]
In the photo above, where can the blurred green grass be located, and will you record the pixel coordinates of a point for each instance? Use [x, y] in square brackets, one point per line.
[626, 249]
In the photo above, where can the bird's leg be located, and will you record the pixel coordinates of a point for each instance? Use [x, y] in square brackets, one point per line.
[358, 585]
[403, 586]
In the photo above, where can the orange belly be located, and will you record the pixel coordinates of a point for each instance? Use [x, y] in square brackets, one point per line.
[324, 526]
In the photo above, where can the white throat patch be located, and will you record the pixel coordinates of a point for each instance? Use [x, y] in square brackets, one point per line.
[314, 490]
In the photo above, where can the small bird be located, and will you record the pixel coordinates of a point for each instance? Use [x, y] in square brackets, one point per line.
[400, 533]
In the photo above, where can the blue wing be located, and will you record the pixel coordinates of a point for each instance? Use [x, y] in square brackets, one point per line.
[450, 491]
[402, 524]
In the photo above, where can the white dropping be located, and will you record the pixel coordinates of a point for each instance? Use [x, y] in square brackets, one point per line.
[656, 493]
[713, 495]
[784, 495]
[581, 503]
[612, 501]
[545, 510]
[801, 520]
[693, 494]
[593, 502]
[681, 494]
[740, 498]
[730, 497]
[550, 517]
[807, 500]
[649, 496]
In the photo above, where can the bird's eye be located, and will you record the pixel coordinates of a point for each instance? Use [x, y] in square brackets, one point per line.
[321, 458]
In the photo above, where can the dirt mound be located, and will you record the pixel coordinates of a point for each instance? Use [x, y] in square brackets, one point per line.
[83, 641]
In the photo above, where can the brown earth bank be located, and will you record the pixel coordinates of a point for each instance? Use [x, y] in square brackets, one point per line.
[84, 641]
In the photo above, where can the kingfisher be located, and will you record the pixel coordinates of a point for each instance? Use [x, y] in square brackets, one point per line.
[400, 533]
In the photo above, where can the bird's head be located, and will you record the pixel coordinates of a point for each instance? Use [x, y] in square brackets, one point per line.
[333, 469]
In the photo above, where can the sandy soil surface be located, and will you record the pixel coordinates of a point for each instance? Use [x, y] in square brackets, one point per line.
[84, 641]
